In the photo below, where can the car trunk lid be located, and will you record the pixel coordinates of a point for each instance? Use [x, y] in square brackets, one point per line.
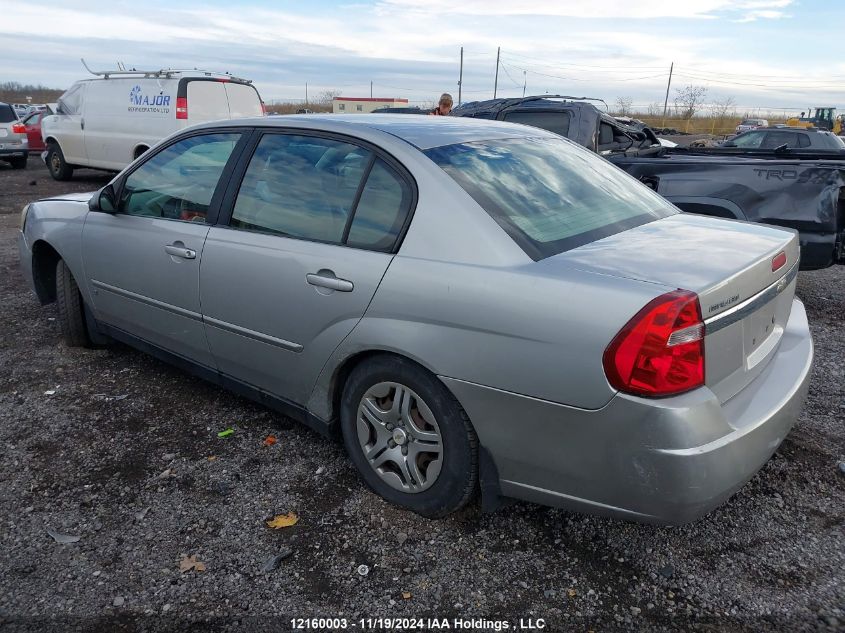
[744, 275]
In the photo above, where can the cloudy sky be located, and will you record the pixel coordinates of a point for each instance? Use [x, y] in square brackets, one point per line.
[762, 53]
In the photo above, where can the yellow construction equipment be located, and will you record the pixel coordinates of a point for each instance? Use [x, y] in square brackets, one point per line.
[822, 118]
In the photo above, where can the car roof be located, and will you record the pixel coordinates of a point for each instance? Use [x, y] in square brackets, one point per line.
[423, 132]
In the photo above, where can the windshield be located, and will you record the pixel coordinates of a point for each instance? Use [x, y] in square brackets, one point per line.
[549, 194]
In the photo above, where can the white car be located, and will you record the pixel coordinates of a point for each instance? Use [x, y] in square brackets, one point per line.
[107, 122]
[751, 124]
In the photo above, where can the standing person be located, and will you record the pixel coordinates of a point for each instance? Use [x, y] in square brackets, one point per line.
[444, 106]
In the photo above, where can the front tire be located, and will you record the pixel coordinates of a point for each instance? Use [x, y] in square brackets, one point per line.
[56, 163]
[71, 308]
[408, 436]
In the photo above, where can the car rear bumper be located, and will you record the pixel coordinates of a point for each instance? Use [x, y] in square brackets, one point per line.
[667, 460]
[8, 151]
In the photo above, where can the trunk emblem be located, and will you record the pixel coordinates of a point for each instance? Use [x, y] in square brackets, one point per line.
[778, 261]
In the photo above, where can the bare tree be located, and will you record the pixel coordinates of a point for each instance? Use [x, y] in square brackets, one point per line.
[624, 106]
[688, 100]
[724, 107]
[326, 97]
[654, 109]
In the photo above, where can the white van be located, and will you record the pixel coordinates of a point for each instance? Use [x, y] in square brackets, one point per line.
[107, 122]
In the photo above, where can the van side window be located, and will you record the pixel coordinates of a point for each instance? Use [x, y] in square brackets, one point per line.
[178, 182]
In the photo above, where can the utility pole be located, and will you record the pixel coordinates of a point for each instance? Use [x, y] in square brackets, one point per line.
[371, 90]
[306, 94]
[524, 82]
[461, 76]
[496, 81]
[666, 100]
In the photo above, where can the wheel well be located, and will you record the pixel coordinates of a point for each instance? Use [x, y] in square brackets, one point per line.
[44, 260]
[49, 140]
[140, 149]
[342, 373]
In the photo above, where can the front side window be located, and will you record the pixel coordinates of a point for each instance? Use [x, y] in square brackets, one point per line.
[178, 182]
[749, 140]
[548, 194]
[71, 101]
[323, 190]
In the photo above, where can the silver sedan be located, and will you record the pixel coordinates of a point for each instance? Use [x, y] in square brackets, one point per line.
[474, 305]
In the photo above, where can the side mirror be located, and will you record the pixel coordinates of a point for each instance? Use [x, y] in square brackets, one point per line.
[104, 200]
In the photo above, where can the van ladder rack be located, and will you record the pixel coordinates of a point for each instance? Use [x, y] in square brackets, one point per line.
[162, 72]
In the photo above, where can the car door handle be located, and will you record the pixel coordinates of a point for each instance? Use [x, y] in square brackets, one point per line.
[329, 281]
[178, 250]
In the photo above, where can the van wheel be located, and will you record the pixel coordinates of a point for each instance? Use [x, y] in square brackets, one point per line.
[408, 436]
[56, 163]
[18, 162]
[71, 308]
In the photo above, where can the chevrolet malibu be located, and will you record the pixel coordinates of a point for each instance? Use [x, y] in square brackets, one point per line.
[472, 305]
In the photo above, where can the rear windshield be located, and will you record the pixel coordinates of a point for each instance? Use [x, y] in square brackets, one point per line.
[548, 194]
[7, 114]
[557, 122]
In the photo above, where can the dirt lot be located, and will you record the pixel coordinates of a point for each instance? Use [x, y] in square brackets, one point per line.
[125, 454]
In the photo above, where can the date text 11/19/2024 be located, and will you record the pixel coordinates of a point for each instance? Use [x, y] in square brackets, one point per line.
[417, 624]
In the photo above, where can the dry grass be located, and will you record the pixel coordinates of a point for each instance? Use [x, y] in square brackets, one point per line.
[705, 124]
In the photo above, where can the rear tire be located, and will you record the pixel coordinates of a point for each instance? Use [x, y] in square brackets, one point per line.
[56, 163]
[71, 308]
[18, 162]
[408, 436]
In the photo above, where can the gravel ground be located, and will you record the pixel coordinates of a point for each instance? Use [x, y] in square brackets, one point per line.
[123, 453]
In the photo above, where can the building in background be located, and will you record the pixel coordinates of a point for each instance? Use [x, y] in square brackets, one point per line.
[362, 105]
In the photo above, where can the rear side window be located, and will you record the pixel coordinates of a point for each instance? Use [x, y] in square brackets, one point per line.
[7, 114]
[777, 139]
[548, 194]
[300, 186]
[803, 140]
[323, 190]
[557, 122]
[382, 209]
[178, 182]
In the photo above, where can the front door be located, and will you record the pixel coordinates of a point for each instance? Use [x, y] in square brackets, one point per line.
[312, 231]
[143, 262]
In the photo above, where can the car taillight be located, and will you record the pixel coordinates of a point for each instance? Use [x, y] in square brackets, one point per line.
[659, 352]
[18, 128]
[181, 107]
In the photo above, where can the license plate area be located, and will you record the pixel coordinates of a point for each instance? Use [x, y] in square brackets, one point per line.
[761, 332]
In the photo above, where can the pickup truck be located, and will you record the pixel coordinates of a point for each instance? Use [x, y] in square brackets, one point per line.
[796, 188]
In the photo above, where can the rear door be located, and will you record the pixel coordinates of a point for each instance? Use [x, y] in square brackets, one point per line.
[206, 101]
[314, 222]
[143, 262]
[243, 100]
